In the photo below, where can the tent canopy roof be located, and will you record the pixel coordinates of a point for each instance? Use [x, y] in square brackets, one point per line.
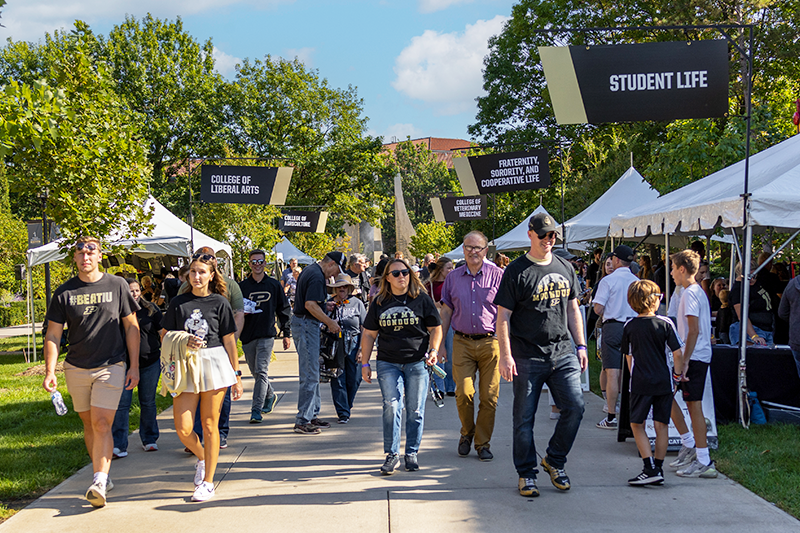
[289, 251]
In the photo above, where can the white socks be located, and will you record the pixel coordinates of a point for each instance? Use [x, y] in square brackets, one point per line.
[687, 439]
[101, 478]
[703, 456]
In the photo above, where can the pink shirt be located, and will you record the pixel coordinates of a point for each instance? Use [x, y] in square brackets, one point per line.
[471, 298]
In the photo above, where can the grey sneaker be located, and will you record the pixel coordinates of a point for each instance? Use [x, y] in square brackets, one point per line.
[411, 463]
[685, 457]
[698, 469]
[390, 464]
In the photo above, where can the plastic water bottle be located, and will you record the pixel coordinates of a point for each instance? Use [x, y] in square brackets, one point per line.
[58, 402]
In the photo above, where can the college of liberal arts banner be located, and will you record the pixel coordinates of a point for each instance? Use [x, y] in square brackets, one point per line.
[244, 185]
[636, 82]
[513, 171]
[458, 208]
[311, 221]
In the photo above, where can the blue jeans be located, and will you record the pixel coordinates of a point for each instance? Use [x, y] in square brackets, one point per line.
[224, 418]
[344, 388]
[258, 353]
[734, 333]
[306, 341]
[563, 378]
[403, 386]
[447, 384]
[148, 427]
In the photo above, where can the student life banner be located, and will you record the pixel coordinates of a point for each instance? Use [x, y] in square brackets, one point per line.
[507, 172]
[459, 208]
[637, 82]
[309, 221]
[244, 185]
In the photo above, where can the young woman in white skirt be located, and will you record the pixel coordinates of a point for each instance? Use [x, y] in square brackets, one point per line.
[206, 314]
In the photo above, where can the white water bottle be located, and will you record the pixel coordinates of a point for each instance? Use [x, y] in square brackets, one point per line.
[58, 402]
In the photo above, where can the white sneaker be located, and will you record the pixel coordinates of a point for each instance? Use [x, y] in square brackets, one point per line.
[199, 472]
[685, 457]
[152, 447]
[96, 495]
[698, 469]
[554, 416]
[203, 492]
[118, 454]
[109, 485]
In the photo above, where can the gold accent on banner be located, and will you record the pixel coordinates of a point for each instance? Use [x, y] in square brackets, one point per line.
[562, 83]
[282, 180]
[323, 220]
[465, 176]
[438, 212]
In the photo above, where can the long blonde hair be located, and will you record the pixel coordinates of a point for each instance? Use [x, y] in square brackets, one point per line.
[415, 286]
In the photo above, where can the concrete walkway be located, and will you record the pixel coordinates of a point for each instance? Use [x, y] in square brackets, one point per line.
[271, 479]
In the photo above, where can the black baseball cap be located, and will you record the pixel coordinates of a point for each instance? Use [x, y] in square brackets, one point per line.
[623, 252]
[339, 258]
[541, 224]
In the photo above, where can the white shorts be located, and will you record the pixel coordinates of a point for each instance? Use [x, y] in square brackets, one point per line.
[216, 371]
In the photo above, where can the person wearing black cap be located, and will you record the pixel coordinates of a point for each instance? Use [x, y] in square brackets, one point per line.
[310, 296]
[611, 304]
[537, 311]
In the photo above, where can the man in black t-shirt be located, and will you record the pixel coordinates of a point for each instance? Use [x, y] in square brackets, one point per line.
[537, 310]
[309, 298]
[97, 308]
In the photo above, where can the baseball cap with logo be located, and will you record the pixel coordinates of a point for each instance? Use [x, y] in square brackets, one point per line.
[541, 224]
[623, 252]
[339, 258]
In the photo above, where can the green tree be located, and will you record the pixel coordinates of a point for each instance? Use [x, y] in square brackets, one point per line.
[432, 237]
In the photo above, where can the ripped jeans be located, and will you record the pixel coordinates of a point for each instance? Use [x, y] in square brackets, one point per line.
[403, 386]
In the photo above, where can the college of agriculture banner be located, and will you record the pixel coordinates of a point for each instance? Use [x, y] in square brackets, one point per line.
[311, 221]
[636, 82]
[458, 208]
[513, 171]
[244, 185]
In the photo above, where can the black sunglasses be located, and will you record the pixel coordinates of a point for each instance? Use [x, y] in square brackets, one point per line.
[549, 235]
[88, 246]
[206, 258]
[257, 261]
[398, 273]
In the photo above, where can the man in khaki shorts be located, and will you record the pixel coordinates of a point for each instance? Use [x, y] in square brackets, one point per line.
[96, 308]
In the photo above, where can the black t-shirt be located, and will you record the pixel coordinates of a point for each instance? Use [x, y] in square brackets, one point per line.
[647, 339]
[538, 296]
[591, 273]
[271, 301]
[209, 317]
[310, 287]
[402, 324]
[150, 338]
[760, 309]
[93, 314]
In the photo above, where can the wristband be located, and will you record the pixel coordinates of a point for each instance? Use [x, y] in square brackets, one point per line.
[365, 365]
[754, 337]
[579, 346]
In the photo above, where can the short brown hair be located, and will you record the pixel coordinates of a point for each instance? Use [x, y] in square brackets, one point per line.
[689, 259]
[87, 238]
[644, 296]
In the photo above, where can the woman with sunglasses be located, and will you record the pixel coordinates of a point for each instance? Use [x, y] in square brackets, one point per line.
[404, 320]
[439, 271]
[206, 314]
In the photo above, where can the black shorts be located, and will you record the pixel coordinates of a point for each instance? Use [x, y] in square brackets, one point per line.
[611, 344]
[640, 408]
[694, 388]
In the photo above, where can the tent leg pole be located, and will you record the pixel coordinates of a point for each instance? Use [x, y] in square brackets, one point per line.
[733, 262]
[667, 268]
[33, 312]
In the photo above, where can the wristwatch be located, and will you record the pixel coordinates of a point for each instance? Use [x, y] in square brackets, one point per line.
[238, 373]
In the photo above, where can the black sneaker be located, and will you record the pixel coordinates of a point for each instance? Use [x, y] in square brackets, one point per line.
[464, 444]
[558, 476]
[527, 487]
[316, 422]
[223, 443]
[306, 429]
[390, 464]
[411, 463]
[484, 454]
[647, 477]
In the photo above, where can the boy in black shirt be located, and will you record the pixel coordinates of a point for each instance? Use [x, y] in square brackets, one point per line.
[644, 339]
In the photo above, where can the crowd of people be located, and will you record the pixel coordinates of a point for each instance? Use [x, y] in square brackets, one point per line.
[480, 320]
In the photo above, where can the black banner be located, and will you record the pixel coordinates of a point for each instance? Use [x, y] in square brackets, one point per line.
[514, 171]
[638, 82]
[244, 185]
[311, 221]
[459, 208]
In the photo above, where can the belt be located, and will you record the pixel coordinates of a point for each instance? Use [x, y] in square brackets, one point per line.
[476, 337]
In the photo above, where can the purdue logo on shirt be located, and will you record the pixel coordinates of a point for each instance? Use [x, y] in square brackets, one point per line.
[398, 317]
[89, 309]
[259, 297]
[551, 289]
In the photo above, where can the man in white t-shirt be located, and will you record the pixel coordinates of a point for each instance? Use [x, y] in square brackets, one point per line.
[611, 303]
[691, 368]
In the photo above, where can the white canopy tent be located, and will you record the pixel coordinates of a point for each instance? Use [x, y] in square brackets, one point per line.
[171, 236]
[517, 239]
[289, 251]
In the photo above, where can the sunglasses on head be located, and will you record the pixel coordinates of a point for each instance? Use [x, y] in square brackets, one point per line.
[206, 258]
[257, 261]
[398, 273]
[549, 235]
[88, 246]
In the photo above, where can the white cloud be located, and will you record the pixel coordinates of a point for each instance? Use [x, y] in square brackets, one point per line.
[29, 20]
[399, 132]
[304, 55]
[445, 69]
[431, 6]
[224, 63]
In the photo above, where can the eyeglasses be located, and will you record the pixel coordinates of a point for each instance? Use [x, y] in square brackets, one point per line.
[660, 296]
[206, 258]
[472, 249]
[547, 236]
[398, 273]
[257, 261]
[88, 246]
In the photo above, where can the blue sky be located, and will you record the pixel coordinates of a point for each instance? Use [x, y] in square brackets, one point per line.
[415, 63]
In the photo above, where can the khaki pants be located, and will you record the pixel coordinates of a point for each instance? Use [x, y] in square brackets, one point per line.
[482, 357]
